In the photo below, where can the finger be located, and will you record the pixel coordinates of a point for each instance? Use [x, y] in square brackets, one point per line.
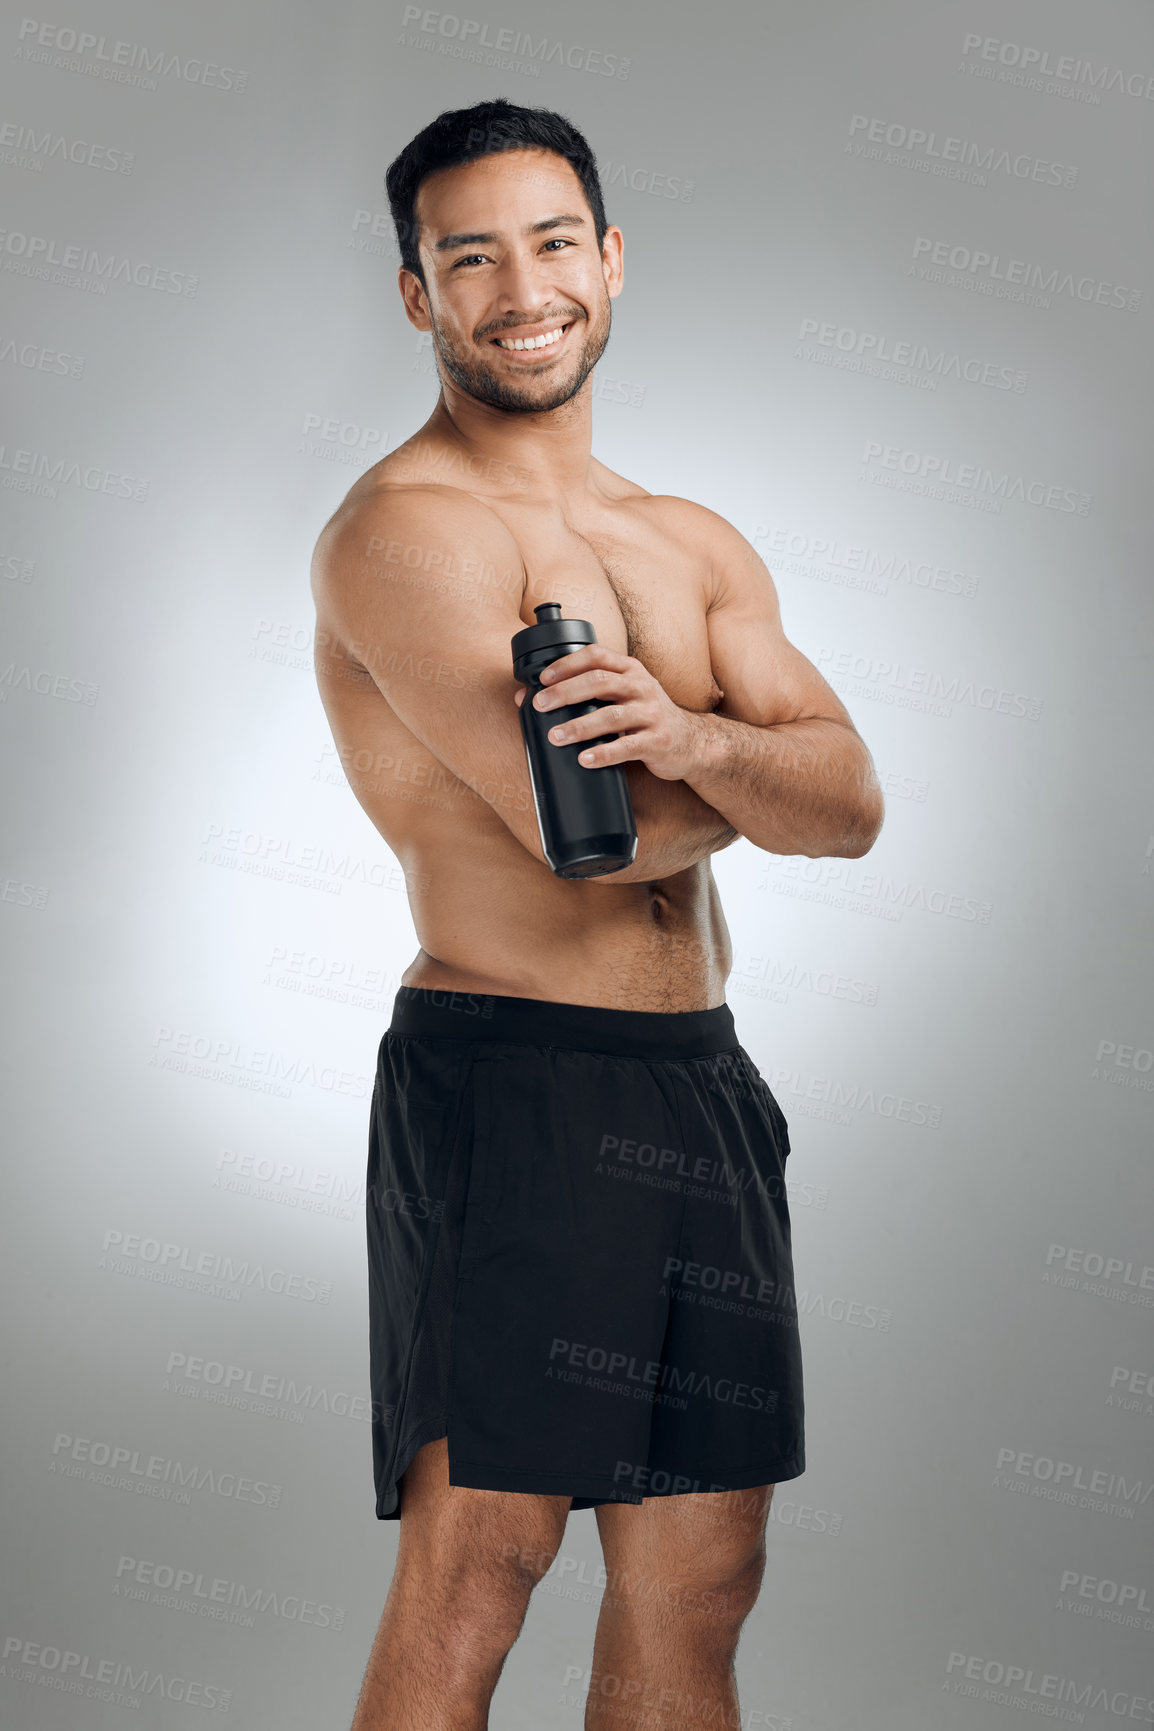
[592, 655]
[598, 683]
[614, 718]
[580, 736]
[616, 751]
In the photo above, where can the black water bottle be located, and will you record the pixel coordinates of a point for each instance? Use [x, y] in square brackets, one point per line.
[585, 816]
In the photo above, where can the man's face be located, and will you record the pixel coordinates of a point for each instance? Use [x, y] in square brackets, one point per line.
[508, 249]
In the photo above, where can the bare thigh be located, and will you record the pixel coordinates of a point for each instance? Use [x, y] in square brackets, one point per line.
[467, 1562]
[701, 1551]
[457, 1540]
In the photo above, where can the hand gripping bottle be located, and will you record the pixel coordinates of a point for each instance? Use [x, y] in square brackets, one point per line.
[585, 816]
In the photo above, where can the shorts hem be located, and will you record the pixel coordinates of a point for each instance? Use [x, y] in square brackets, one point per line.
[774, 1472]
[473, 1475]
[587, 1489]
[389, 1496]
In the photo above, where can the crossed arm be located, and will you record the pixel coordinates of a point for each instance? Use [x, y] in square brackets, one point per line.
[780, 757]
[676, 826]
[424, 586]
[802, 786]
[779, 760]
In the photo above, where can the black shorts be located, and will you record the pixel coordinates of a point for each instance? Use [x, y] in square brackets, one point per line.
[580, 1268]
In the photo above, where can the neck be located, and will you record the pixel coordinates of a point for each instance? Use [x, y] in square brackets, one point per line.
[549, 453]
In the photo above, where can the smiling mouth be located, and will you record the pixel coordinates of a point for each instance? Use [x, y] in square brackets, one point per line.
[534, 346]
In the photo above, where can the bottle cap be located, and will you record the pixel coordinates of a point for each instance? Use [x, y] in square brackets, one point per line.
[551, 630]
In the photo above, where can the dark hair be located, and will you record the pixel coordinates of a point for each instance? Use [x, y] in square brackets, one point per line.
[461, 135]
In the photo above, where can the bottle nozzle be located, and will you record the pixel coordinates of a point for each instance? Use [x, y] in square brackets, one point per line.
[547, 611]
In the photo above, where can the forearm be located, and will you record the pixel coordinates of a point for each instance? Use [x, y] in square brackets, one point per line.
[799, 787]
[676, 827]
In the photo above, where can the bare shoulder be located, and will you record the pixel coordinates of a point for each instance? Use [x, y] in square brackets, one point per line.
[688, 517]
[424, 526]
[733, 562]
[683, 518]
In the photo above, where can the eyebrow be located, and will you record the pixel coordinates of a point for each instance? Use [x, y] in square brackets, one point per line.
[452, 240]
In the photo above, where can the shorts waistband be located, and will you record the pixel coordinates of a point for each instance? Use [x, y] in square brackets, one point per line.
[472, 1016]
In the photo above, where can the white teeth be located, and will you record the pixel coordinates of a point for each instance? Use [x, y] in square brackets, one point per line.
[542, 342]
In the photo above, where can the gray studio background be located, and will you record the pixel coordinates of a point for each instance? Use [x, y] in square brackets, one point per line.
[887, 309]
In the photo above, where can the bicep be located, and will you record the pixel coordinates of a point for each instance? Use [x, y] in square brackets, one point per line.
[425, 589]
[765, 678]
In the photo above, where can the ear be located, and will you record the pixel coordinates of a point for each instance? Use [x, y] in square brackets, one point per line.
[415, 299]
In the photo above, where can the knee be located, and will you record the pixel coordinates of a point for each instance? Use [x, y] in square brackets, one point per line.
[472, 1597]
[480, 1620]
[707, 1604]
[744, 1584]
[468, 1615]
[525, 1561]
[722, 1597]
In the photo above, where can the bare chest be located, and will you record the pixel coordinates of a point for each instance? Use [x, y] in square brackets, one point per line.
[644, 593]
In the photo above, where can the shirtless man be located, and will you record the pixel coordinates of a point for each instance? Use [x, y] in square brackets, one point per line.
[564, 1125]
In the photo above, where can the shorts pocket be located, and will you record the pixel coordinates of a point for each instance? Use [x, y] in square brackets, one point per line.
[781, 1127]
[765, 1099]
[406, 1154]
[477, 1209]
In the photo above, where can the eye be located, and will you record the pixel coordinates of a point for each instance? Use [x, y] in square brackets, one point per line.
[557, 241]
[468, 259]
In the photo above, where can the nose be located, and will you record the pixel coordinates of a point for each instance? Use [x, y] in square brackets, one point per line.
[520, 282]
